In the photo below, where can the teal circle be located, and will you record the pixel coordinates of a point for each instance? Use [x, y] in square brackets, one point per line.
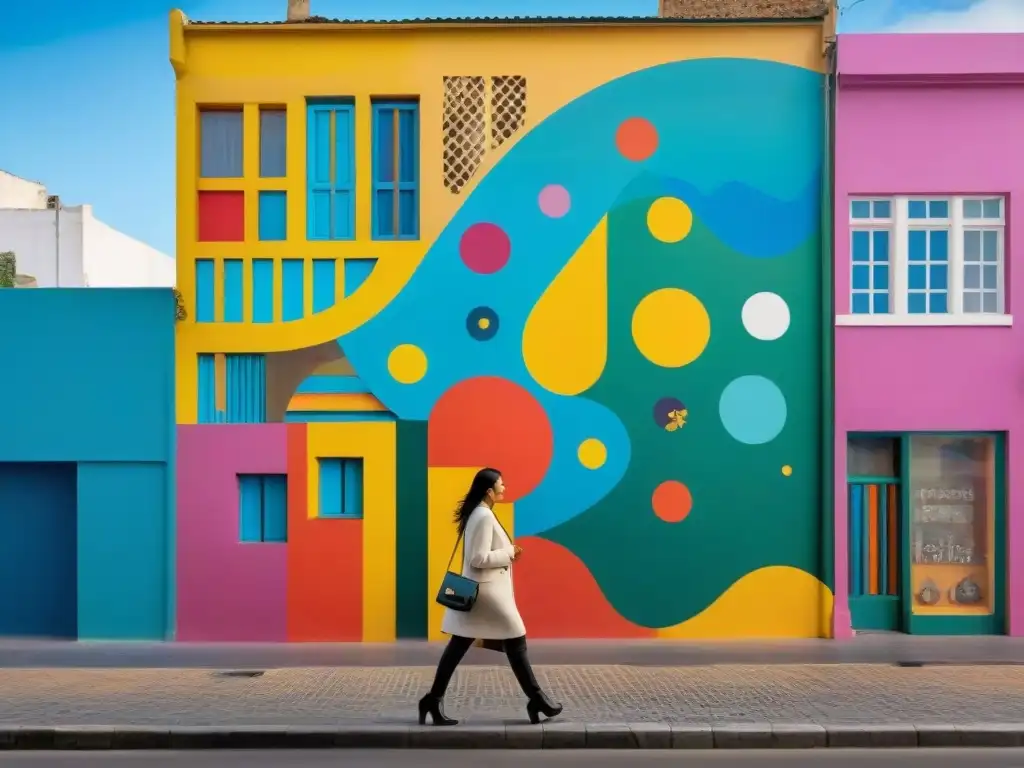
[752, 409]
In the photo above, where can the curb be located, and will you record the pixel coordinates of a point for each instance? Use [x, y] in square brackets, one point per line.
[550, 735]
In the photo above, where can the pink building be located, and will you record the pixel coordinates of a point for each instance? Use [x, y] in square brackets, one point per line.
[929, 364]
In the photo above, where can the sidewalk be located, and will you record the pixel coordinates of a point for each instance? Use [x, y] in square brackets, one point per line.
[605, 706]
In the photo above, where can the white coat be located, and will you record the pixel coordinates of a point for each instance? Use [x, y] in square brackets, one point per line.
[487, 560]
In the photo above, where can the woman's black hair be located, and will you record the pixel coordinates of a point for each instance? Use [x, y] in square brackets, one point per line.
[484, 481]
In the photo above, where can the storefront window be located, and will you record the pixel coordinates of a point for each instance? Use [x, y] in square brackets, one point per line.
[952, 509]
[871, 457]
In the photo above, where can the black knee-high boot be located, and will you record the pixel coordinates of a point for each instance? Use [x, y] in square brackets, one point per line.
[433, 703]
[537, 701]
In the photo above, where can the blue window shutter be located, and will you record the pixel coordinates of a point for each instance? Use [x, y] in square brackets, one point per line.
[324, 276]
[395, 212]
[409, 171]
[204, 290]
[293, 289]
[246, 389]
[220, 144]
[318, 173]
[275, 508]
[330, 481]
[344, 199]
[250, 507]
[262, 290]
[273, 143]
[352, 488]
[232, 290]
[207, 390]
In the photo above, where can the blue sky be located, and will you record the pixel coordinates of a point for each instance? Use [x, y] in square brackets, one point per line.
[86, 90]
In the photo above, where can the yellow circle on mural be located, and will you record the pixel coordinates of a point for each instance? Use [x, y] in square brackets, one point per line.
[787, 470]
[407, 363]
[483, 323]
[669, 219]
[671, 327]
[592, 453]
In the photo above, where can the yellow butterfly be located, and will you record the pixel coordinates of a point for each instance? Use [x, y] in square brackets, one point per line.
[676, 419]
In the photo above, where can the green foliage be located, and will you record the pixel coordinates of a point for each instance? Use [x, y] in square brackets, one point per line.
[179, 306]
[8, 269]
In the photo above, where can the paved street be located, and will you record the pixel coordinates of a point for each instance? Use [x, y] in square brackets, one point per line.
[807, 694]
[833, 758]
[864, 649]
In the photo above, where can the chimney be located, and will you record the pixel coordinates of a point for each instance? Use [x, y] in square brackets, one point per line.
[298, 10]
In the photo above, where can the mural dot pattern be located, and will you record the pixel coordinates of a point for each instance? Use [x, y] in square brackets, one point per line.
[665, 408]
[407, 364]
[592, 453]
[766, 316]
[554, 201]
[672, 501]
[485, 248]
[669, 219]
[753, 409]
[482, 323]
[671, 327]
[636, 139]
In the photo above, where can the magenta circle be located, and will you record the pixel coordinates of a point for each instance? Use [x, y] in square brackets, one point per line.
[485, 248]
[554, 201]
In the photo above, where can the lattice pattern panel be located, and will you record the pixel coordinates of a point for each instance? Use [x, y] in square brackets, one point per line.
[464, 130]
[508, 107]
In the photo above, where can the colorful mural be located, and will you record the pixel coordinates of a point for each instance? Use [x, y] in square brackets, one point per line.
[618, 305]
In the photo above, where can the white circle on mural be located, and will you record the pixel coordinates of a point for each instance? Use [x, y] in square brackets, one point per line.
[766, 316]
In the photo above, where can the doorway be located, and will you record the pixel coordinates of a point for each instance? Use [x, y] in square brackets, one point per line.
[38, 550]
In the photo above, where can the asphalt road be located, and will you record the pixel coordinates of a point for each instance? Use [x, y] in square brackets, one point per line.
[832, 758]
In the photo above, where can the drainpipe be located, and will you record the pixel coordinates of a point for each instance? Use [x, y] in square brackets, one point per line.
[53, 202]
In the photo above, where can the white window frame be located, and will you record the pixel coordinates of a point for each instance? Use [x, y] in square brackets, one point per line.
[899, 227]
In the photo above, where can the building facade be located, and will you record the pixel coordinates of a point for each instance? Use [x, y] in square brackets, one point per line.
[57, 245]
[409, 250]
[927, 173]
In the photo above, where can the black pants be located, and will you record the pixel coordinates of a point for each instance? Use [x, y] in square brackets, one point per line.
[515, 650]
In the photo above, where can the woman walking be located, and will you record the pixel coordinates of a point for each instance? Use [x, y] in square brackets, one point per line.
[488, 554]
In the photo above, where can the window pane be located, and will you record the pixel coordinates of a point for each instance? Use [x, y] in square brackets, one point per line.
[407, 224]
[991, 302]
[938, 209]
[880, 245]
[917, 277]
[882, 209]
[860, 209]
[880, 303]
[992, 208]
[384, 213]
[407, 145]
[273, 140]
[917, 209]
[972, 245]
[972, 276]
[952, 492]
[972, 302]
[871, 457]
[990, 245]
[880, 278]
[220, 144]
[918, 245]
[938, 278]
[861, 245]
[916, 303]
[937, 303]
[972, 209]
[384, 146]
[861, 276]
[990, 277]
[939, 250]
[861, 304]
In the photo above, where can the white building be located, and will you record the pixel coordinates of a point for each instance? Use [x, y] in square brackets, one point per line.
[43, 233]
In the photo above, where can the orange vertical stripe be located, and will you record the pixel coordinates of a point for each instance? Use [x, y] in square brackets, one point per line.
[872, 539]
[894, 544]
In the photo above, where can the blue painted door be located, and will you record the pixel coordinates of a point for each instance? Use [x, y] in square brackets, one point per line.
[38, 550]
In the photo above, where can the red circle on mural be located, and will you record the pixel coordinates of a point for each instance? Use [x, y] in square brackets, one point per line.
[636, 139]
[485, 248]
[672, 501]
[492, 422]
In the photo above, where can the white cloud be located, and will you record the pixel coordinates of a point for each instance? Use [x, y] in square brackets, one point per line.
[983, 16]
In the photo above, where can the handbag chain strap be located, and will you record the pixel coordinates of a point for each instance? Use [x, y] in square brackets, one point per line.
[462, 535]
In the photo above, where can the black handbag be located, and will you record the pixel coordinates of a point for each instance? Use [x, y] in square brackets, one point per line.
[457, 592]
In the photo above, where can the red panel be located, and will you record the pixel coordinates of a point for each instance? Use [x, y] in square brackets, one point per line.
[325, 563]
[221, 217]
[578, 610]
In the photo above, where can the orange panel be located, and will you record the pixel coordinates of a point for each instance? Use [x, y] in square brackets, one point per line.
[325, 563]
[558, 597]
[872, 539]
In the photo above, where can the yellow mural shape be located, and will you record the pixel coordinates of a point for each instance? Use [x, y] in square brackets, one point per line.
[671, 327]
[407, 364]
[565, 341]
[777, 601]
[669, 219]
[787, 470]
[445, 486]
[592, 453]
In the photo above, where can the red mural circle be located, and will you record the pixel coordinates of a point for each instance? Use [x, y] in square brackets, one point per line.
[636, 139]
[672, 501]
[492, 422]
[485, 247]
